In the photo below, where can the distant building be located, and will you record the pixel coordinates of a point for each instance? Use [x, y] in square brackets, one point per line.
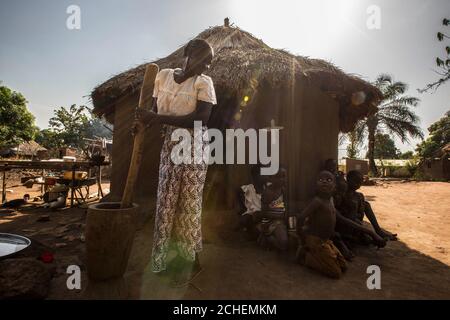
[347, 164]
[27, 150]
[396, 168]
[438, 167]
[67, 152]
[388, 167]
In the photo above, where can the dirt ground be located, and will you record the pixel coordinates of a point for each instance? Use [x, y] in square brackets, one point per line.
[415, 267]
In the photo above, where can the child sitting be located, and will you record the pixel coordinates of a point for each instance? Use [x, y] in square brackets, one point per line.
[250, 204]
[272, 218]
[316, 229]
[354, 206]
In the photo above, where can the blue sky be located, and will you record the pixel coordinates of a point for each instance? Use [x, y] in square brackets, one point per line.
[54, 66]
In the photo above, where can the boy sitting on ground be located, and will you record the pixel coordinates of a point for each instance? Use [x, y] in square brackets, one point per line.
[316, 229]
[338, 198]
[354, 206]
[349, 229]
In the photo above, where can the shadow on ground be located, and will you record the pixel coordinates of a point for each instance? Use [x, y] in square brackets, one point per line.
[238, 269]
[235, 268]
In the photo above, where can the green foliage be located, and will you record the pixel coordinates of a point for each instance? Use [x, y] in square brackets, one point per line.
[394, 117]
[70, 126]
[419, 175]
[439, 137]
[413, 167]
[16, 122]
[49, 139]
[406, 155]
[443, 62]
[385, 147]
[353, 146]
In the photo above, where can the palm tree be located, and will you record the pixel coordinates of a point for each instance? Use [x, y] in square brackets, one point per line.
[394, 116]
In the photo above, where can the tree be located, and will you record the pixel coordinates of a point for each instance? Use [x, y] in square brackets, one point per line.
[353, 146]
[49, 139]
[407, 155]
[394, 116]
[16, 122]
[439, 137]
[70, 125]
[443, 63]
[385, 147]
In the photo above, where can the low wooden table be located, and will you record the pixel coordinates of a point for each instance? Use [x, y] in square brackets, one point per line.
[7, 165]
[76, 186]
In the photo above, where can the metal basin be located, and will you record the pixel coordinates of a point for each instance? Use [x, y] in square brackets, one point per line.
[11, 244]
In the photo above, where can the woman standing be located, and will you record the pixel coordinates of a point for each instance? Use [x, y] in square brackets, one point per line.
[180, 97]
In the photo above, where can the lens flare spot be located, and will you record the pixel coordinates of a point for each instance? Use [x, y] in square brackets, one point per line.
[358, 98]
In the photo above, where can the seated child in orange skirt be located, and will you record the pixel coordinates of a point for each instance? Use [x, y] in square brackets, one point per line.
[316, 229]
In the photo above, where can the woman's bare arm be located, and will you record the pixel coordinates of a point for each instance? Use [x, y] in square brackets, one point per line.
[201, 113]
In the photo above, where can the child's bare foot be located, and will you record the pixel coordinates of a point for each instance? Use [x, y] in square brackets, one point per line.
[346, 252]
[387, 235]
[343, 248]
[379, 241]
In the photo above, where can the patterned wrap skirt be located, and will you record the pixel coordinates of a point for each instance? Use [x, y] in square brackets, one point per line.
[323, 256]
[179, 201]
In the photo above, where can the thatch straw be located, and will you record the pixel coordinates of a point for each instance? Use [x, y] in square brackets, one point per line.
[239, 59]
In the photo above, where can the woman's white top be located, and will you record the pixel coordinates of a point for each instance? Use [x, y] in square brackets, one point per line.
[181, 99]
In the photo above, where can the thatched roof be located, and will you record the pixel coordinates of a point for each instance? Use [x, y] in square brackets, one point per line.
[239, 59]
[29, 148]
